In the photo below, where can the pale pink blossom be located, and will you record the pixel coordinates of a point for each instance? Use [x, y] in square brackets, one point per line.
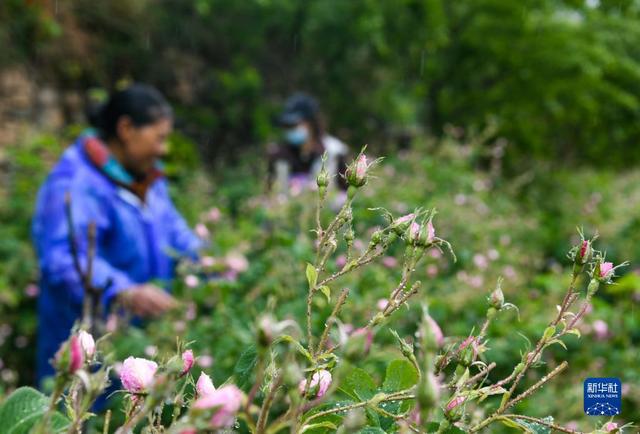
[112, 323]
[610, 426]
[341, 261]
[361, 168]
[227, 400]
[137, 374]
[202, 231]
[435, 253]
[389, 262]
[205, 361]
[150, 350]
[493, 254]
[432, 270]
[204, 385]
[600, 329]
[320, 379]
[214, 215]
[32, 290]
[431, 232]
[191, 280]
[480, 261]
[405, 219]
[606, 270]
[191, 312]
[208, 261]
[237, 262]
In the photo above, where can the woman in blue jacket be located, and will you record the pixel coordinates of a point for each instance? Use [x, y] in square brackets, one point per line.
[114, 182]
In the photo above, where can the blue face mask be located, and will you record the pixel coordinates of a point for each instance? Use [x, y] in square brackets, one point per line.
[296, 136]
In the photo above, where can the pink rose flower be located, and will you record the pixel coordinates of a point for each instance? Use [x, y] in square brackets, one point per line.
[227, 400]
[137, 374]
[191, 280]
[214, 215]
[205, 361]
[237, 262]
[601, 329]
[187, 361]
[610, 426]
[32, 290]
[320, 379]
[202, 231]
[606, 269]
[389, 262]
[204, 385]
[208, 261]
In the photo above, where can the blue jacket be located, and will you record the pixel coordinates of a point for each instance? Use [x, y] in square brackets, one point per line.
[136, 242]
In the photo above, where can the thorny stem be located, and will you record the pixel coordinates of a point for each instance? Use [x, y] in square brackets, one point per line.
[498, 414]
[266, 405]
[332, 318]
[402, 395]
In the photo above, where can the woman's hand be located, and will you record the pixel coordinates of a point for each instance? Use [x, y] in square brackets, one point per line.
[147, 300]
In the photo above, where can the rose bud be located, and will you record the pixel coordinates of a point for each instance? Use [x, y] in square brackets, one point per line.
[87, 343]
[320, 380]
[137, 374]
[356, 173]
[496, 299]
[70, 356]
[453, 409]
[187, 361]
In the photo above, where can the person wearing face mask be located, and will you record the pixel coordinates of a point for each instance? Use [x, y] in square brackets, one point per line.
[297, 159]
[114, 180]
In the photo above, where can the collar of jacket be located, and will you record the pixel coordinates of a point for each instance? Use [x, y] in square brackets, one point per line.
[101, 157]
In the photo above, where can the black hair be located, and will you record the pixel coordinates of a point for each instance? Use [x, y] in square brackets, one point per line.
[141, 103]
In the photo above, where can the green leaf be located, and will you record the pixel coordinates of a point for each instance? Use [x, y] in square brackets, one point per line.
[245, 365]
[24, 408]
[325, 424]
[359, 385]
[312, 275]
[298, 346]
[400, 375]
[326, 291]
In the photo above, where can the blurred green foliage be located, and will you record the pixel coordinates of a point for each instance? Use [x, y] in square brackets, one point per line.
[559, 77]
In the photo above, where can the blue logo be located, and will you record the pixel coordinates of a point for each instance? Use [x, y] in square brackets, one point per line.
[602, 396]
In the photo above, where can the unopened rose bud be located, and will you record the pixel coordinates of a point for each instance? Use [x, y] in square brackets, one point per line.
[413, 233]
[428, 392]
[87, 343]
[584, 253]
[496, 299]
[434, 338]
[323, 178]
[187, 361]
[454, 409]
[468, 351]
[400, 225]
[356, 173]
[320, 382]
[70, 356]
[593, 286]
